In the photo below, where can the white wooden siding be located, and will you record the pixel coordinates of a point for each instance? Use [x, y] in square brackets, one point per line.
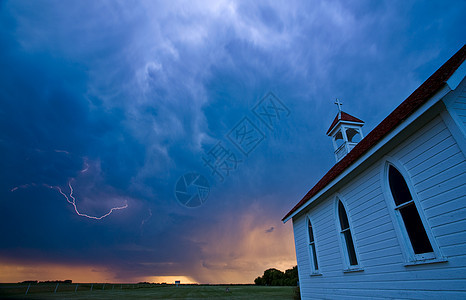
[459, 105]
[437, 170]
[456, 105]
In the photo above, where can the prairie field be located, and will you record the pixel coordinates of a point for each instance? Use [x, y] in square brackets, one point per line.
[143, 291]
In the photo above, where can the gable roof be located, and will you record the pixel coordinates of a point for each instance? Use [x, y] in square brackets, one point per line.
[421, 95]
[343, 117]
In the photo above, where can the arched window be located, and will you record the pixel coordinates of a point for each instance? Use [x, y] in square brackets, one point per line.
[338, 139]
[405, 208]
[346, 237]
[312, 248]
[353, 135]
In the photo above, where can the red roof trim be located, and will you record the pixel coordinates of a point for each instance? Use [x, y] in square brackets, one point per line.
[421, 95]
[344, 117]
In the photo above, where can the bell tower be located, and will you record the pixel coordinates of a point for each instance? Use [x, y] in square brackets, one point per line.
[346, 132]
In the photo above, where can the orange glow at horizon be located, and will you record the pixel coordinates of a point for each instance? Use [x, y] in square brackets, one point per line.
[17, 272]
[242, 247]
[170, 279]
[237, 250]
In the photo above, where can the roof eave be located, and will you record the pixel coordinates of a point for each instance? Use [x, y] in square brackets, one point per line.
[456, 78]
[332, 130]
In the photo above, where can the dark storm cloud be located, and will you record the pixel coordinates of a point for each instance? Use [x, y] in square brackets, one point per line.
[121, 100]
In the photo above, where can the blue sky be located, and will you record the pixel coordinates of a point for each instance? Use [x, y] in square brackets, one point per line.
[119, 100]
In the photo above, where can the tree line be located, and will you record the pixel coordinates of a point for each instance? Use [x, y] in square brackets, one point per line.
[69, 281]
[276, 277]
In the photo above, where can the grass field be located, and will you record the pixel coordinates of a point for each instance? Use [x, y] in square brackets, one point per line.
[67, 291]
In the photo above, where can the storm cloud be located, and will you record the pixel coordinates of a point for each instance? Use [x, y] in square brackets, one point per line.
[120, 100]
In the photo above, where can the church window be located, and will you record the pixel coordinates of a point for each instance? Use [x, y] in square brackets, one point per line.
[407, 211]
[346, 237]
[312, 248]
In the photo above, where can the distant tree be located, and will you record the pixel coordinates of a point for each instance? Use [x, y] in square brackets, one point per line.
[29, 281]
[69, 281]
[291, 276]
[276, 277]
[273, 277]
[259, 281]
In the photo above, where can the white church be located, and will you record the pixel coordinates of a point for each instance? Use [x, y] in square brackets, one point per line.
[388, 220]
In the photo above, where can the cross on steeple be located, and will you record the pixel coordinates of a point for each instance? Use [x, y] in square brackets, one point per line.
[337, 102]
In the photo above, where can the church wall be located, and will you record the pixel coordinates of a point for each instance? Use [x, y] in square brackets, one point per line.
[456, 104]
[437, 170]
[459, 104]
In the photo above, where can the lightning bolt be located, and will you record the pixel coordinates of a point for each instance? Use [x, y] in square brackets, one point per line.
[24, 186]
[145, 220]
[72, 200]
[85, 168]
[61, 151]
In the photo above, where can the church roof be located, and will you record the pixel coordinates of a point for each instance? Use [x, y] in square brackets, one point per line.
[343, 117]
[420, 96]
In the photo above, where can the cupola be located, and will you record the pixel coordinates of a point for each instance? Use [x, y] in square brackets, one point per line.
[346, 132]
